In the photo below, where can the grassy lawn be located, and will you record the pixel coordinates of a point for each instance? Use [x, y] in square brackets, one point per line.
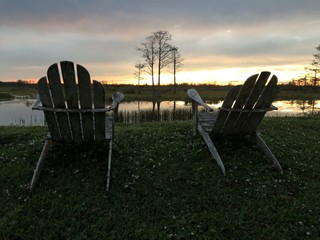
[165, 185]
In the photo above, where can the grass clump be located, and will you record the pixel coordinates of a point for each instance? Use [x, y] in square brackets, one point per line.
[165, 185]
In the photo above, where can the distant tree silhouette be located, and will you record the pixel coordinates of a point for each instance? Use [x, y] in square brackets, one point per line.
[176, 60]
[315, 67]
[164, 50]
[148, 51]
[312, 71]
[138, 73]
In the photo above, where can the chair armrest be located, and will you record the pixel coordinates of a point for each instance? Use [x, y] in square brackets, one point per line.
[194, 95]
[116, 99]
[273, 108]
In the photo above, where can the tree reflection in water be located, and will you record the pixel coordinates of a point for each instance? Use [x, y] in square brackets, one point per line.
[18, 111]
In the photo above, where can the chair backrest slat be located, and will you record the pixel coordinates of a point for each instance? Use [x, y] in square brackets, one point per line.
[58, 101]
[99, 118]
[223, 115]
[45, 97]
[239, 104]
[71, 93]
[85, 102]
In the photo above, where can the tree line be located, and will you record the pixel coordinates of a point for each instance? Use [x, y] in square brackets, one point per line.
[157, 54]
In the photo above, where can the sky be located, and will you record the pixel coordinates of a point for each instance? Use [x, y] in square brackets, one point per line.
[220, 40]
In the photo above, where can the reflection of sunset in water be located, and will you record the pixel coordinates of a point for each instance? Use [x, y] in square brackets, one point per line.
[18, 111]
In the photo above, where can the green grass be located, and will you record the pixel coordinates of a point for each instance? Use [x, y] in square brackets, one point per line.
[165, 185]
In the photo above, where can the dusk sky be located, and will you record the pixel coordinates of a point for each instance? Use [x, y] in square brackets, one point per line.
[222, 40]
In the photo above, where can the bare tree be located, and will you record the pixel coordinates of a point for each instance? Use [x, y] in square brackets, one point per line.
[176, 60]
[139, 66]
[148, 51]
[163, 50]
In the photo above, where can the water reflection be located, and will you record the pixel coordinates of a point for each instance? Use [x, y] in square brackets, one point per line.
[295, 107]
[18, 111]
[135, 112]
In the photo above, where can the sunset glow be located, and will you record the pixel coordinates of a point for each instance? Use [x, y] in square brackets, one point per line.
[219, 77]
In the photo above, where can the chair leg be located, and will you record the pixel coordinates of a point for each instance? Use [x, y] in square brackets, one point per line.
[211, 147]
[262, 145]
[109, 166]
[42, 157]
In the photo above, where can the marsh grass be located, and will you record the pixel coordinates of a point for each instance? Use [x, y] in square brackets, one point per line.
[150, 115]
[165, 185]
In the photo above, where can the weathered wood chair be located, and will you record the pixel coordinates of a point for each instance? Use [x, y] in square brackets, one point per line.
[74, 110]
[241, 112]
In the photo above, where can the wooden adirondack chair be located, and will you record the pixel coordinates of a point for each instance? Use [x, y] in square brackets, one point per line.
[74, 109]
[242, 110]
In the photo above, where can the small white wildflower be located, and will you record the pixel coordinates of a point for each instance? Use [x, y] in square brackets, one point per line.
[134, 176]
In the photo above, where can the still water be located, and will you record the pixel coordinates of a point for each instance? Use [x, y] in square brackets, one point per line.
[18, 111]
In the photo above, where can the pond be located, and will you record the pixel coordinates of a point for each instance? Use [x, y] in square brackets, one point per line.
[18, 111]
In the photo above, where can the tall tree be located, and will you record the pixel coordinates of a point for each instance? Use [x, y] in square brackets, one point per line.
[148, 50]
[316, 64]
[176, 60]
[163, 50]
[314, 69]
